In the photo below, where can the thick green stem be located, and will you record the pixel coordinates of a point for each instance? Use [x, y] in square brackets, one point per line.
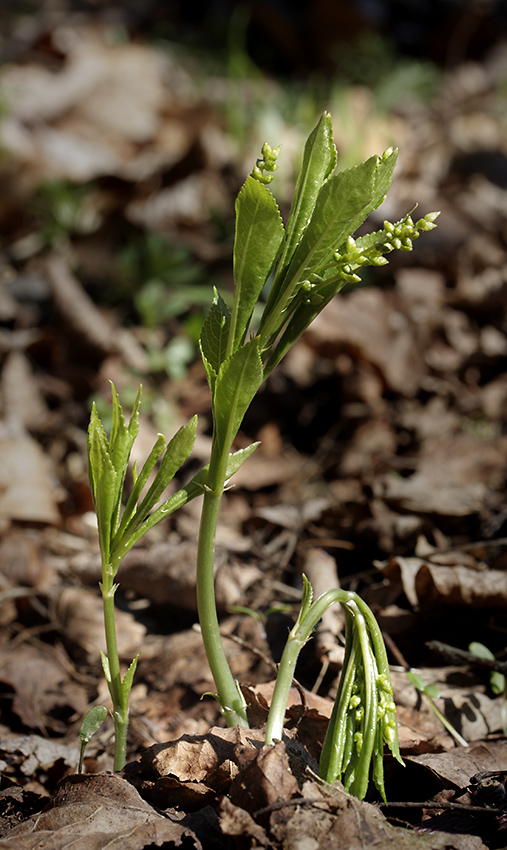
[231, 701]
[120, 707]
[276, 716]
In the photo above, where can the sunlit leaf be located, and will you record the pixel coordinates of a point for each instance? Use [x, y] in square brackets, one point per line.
[259, 232]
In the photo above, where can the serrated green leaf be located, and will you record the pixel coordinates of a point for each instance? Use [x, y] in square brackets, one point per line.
[107, 467]
[106, 668]
[211, 375]
[140, 482]
[259, 233]
[126, 685]
[344, 202]
[214, 335]
[194, 488]
[239, 378]
[237, 459]
[97, 446]
[92, 721]
[319, 161]
[177, 451]
[104, 481]
[123, 435]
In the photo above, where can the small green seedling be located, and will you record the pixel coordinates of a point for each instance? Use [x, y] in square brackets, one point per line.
[497, 680]
[261, 617]
[364, 714]
[431, 692]
[285, 275]
[92, 721]
[120, 528]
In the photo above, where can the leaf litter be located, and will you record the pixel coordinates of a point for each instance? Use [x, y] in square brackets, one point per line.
[382, 464]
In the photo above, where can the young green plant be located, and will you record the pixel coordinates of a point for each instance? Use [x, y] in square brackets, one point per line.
[284, 277]
[120, 528]
[364, 714]
[432, 692]
[288, 273]
[497, 680]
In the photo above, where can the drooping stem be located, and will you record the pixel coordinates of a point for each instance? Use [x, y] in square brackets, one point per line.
[298, 636]
[231, 701]
[335, 744]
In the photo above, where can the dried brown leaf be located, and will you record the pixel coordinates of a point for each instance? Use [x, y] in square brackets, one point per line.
[332, 818]
[31, 756]
[82, 617]
[21, 399]
[42, 689]
[92, 812]
[192, 770]
[426, 584]
[26, 493]
[264, 778]
[455, 768]
[365, 325]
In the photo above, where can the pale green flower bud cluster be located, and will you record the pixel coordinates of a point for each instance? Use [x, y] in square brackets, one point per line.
[386, 710]
[356, 715]
[309, 290]
[267, 163]
[369, 250]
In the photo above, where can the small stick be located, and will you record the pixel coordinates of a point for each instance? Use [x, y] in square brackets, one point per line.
[461, 655]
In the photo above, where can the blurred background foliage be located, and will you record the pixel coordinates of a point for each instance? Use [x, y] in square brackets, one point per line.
[265, 71]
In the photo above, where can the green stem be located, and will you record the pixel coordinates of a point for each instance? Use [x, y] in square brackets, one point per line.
[232, 704]
[450, 728]
[276, 716]
[120, 708]
[270, 325]
[298, 636]
[331, 762]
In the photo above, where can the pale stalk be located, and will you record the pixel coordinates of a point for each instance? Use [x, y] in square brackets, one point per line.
[120, 709]
[232, 704]
[298, 636]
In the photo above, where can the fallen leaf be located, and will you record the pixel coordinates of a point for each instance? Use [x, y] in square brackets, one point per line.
[31, 757]
[81, 615]
[26, 493]
[331, 818]
[43, 693]
[264, 778]
[427, 585]
[92, 812]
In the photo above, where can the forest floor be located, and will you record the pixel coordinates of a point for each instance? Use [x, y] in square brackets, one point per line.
[382, 465]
